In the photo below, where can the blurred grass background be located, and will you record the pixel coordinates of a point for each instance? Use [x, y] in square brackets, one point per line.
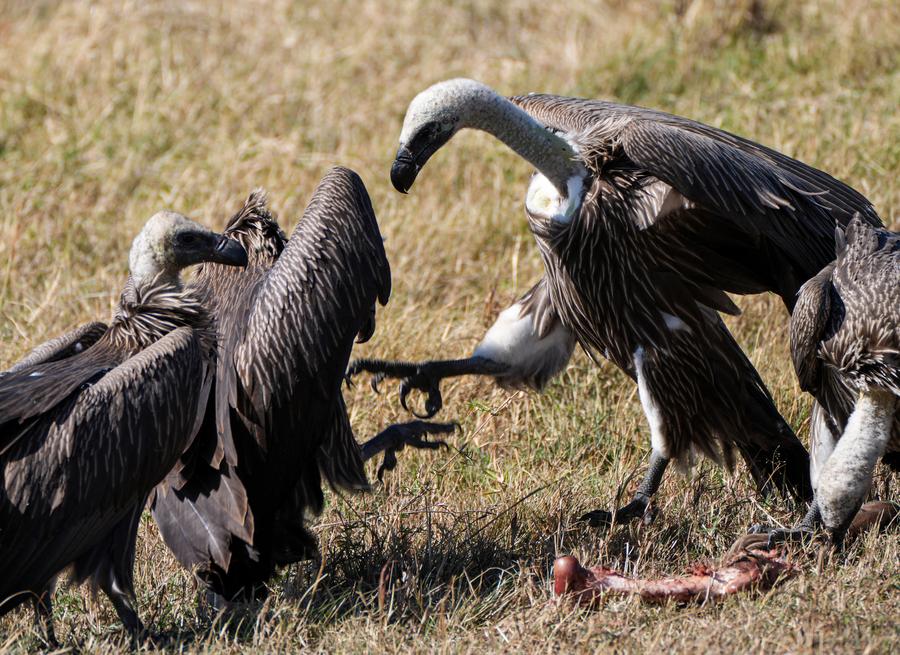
[110, 111]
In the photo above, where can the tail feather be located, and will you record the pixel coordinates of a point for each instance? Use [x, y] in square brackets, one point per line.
[773, 453]
[197, 521]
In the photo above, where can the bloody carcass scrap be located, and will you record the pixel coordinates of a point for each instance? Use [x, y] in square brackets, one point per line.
[745, 571]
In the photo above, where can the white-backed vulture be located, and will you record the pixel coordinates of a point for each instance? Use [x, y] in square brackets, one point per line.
[845, 345]
[643, 221]
[286, 326]
[92, 421]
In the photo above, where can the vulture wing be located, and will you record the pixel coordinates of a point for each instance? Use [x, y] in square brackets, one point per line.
[290, 361]
[78, 470]
[816, 309]
[761, 220]
[61, 347]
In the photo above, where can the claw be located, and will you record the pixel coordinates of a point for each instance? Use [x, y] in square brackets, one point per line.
[776, 536]
[636, 509]
[412, 434]
[376, 379]
[389, 463]
[433, 402]
[404, 392]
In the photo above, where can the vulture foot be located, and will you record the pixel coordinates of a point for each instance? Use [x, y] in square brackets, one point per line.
[877, 514]
[396, 437]
[637, 508]
[420, 376]
[601, 518]
[803, 533]
[769, 537]
[424, 376]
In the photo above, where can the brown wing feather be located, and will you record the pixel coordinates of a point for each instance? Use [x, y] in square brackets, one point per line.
[314, 301]
[318, 296]
[63, 346]
[762, 220]
[81, 468]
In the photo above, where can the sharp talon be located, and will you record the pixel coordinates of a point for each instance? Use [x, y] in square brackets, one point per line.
[434, 403]
[422, 416]
[404, 392]
[389, 463]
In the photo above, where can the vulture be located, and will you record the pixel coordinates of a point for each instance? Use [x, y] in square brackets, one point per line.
[643, 220]
[286, 325]
[845, 345]
[92, 421]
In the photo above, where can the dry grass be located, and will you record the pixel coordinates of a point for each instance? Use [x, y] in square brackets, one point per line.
[111, 111]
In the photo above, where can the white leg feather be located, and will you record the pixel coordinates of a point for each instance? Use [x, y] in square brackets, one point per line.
[847, 475]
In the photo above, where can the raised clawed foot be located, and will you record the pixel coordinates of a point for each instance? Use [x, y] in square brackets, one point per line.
[419, 376]
[396, 437]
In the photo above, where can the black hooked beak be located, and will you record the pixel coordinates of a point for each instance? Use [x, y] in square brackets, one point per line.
[229, 252]
[404, 170]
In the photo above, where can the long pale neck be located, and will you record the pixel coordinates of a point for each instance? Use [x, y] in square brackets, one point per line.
[546, 151]
[847, 474]
[868, 428]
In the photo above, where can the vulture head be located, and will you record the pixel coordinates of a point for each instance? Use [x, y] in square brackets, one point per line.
[435, 115]
[443, 109]
[170, 242]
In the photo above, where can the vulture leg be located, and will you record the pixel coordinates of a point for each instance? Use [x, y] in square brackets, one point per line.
[110, 566]
[425, 376]
[639, 502]
[396, 437]
[43, 615]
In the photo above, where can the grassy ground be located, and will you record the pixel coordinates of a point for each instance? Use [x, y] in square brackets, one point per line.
[111, 111]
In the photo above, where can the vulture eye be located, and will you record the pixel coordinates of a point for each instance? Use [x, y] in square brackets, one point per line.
[188, 239]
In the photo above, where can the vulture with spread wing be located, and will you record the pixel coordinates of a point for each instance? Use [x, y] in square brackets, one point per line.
[644, 221]
[286, 326]
[92, 421]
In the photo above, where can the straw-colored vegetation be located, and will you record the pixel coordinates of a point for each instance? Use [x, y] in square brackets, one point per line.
[110, 111]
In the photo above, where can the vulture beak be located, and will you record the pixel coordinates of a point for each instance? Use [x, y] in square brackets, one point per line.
[404, 170]
[229, 252]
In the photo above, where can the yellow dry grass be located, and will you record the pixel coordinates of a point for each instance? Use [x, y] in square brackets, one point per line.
[112, 110]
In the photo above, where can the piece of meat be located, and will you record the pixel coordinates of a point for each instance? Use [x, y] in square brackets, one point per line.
[877, 513]
[750, 570]
[746, 567]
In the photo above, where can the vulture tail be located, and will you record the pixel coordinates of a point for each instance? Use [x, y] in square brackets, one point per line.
[774, 455]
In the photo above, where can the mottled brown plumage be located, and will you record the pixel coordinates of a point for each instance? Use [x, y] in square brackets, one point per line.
[286, 325]
[845, 344]
[644, 220]
[91, 421]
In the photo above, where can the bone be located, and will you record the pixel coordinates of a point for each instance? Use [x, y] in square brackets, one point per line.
[751, 571]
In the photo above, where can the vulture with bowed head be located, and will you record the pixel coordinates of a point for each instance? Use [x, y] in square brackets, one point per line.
[644, 221]
[286, 326]
[845, 343]
[92, 421]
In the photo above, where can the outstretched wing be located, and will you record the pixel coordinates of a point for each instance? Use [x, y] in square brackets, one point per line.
[759, 215]
[63, 346]
[308, 309]
[77, 470]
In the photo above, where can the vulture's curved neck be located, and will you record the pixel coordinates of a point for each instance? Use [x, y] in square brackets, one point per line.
[552, 155]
